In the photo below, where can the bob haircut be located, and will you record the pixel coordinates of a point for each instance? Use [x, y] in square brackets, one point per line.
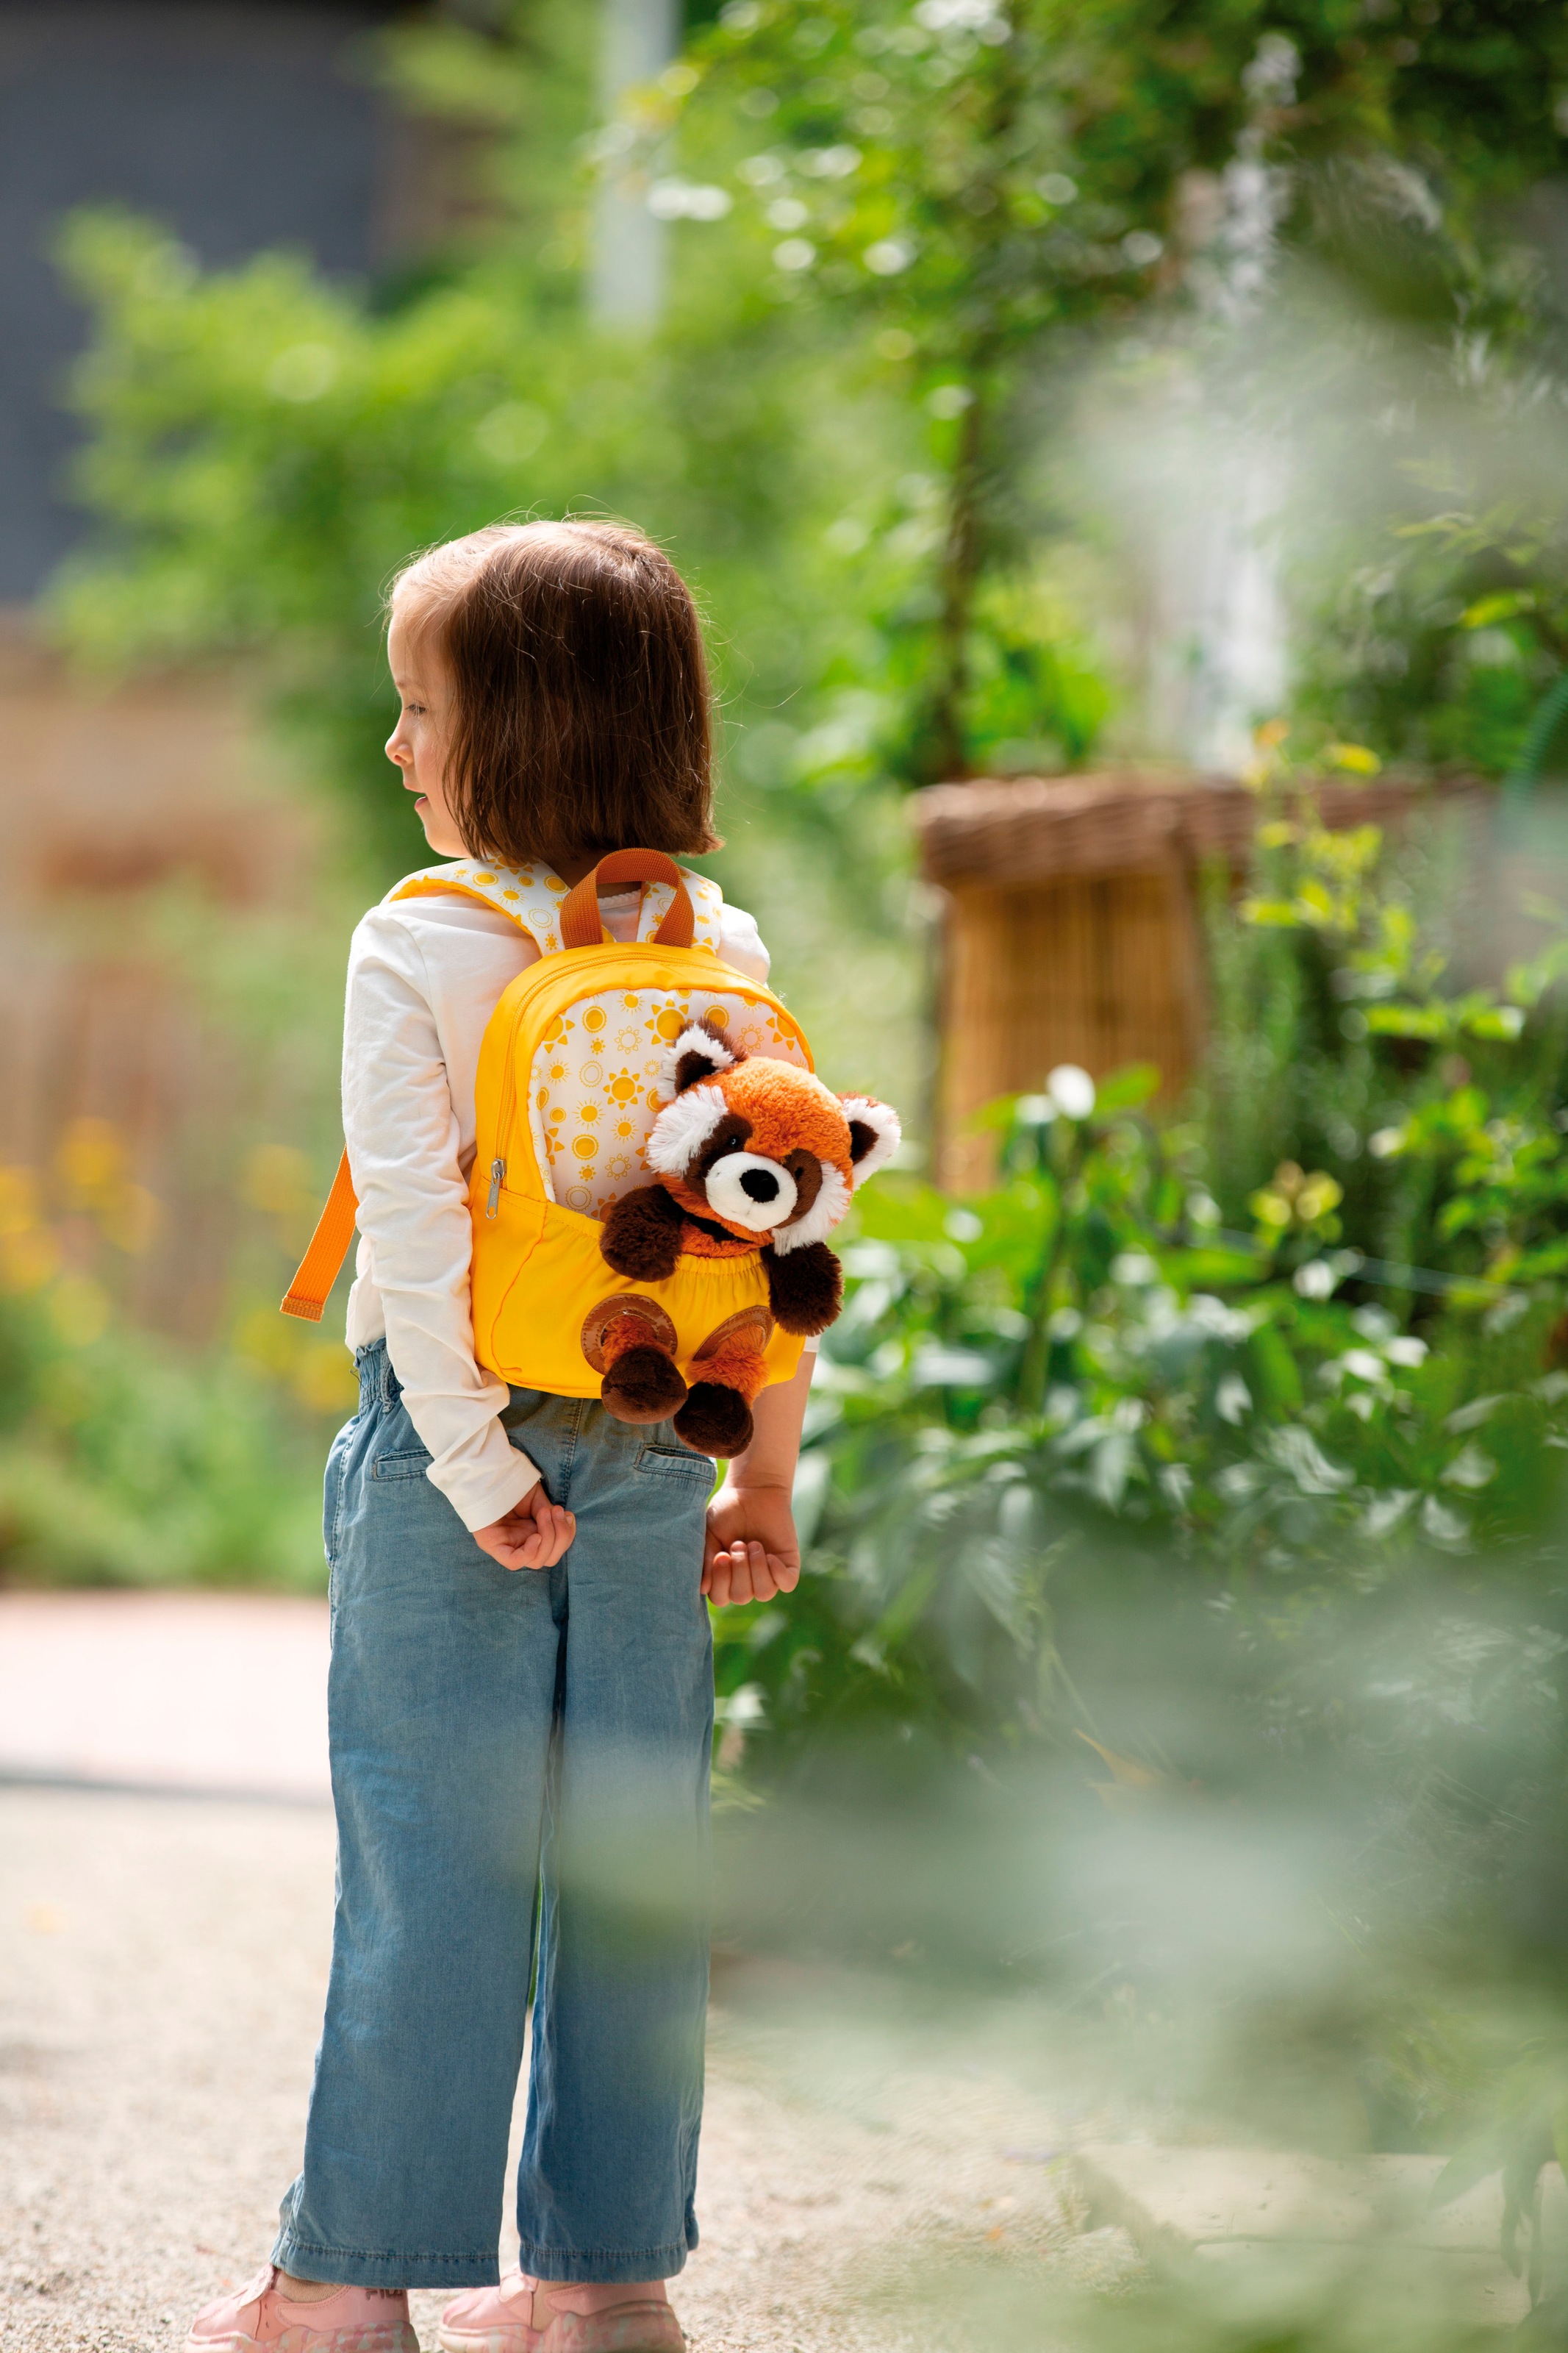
[580, 719]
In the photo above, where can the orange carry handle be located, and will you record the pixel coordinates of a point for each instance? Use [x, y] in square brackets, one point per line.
[320, 1267]
[579, 924]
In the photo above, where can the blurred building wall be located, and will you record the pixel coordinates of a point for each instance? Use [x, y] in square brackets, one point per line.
[239, 124]
[110, 803]
[242, 124]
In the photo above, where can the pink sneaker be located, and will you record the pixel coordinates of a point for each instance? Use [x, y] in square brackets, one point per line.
[260, 2316]
[518, 2317]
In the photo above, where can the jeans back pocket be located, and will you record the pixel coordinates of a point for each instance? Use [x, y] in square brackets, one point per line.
[405, 1462]
[675, 1462]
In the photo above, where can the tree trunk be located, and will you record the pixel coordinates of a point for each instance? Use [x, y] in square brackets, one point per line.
[959, 577]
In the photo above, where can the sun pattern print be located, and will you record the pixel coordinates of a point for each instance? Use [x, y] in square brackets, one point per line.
[592, 1111]
[593, 1091]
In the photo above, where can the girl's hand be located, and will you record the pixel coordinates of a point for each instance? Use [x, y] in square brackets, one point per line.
[532, 1535]
[751, 1551]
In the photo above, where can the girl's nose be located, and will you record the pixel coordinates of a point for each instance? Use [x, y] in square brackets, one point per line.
[395, 752]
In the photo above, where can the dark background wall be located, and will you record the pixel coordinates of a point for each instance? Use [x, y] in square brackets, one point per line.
[240, 123]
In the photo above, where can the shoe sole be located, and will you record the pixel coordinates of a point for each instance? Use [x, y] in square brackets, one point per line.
[646, 2329]
[310, 2340]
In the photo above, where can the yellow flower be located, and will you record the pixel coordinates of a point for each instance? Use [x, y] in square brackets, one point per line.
[91, 1154]
[1317, 1197]
[28, 1260]
[1353, 756]
[18, 1200]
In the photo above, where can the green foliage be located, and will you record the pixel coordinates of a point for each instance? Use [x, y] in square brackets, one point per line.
[270, 451]
[842, 442]
[983, 187]
[1450, 650]
[127, 1461]
[1171, 1344]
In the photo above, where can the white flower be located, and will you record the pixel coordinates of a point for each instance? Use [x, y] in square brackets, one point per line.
[1133, 1266]
[957, 16]
[830, 162]
[683, 200]
[1071, 1090]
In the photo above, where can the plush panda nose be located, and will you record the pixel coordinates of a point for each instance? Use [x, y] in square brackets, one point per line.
[751, 1191]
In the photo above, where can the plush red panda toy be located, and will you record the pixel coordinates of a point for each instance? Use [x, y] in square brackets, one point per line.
[752, 1155]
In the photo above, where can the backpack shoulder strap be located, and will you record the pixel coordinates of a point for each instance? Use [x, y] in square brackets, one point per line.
[307, 1294]
[707, 900]
[535, 900]
[531, 895]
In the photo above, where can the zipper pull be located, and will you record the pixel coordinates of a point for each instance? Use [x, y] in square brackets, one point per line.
[498, 1170]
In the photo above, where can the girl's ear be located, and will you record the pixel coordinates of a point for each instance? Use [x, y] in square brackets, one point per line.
[699, 1053]
[873, 1135]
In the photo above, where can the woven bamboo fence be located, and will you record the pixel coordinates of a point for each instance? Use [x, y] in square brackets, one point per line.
[1071, 929]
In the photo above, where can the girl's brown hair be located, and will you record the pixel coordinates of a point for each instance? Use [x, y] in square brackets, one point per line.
[580, 719]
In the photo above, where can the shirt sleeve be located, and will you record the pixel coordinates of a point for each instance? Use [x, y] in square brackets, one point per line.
[404, 1153]
[740, 943]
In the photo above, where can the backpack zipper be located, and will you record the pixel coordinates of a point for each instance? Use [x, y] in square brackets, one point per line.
[504, 1119]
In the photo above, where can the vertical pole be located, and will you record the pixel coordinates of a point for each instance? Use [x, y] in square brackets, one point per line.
[638, 39]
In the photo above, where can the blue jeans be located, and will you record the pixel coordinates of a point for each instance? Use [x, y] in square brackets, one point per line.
[519, 1767]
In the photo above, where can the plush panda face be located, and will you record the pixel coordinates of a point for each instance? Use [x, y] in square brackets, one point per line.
[762, 1147]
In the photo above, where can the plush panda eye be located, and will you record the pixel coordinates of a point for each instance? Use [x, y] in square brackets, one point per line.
[731, 1135]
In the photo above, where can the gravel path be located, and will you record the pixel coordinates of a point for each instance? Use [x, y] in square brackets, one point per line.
[161, 1965]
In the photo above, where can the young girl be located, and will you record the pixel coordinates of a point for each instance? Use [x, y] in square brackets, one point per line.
[521, 1689]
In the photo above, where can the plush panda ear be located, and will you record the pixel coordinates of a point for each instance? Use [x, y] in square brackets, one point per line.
[698, 1054]
[873, 1135]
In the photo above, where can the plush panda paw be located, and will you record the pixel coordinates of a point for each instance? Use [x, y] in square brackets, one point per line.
[715, 1421]
[642, 1385]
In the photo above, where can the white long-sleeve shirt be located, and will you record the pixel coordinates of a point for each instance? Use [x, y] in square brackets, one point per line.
[425, 975]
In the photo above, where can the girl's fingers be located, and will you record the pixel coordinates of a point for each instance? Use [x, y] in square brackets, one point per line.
[553, 1532]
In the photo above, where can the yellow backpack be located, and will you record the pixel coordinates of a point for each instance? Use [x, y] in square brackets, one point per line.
[596, 1014]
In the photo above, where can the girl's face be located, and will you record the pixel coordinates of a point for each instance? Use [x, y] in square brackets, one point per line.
[418, 744]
